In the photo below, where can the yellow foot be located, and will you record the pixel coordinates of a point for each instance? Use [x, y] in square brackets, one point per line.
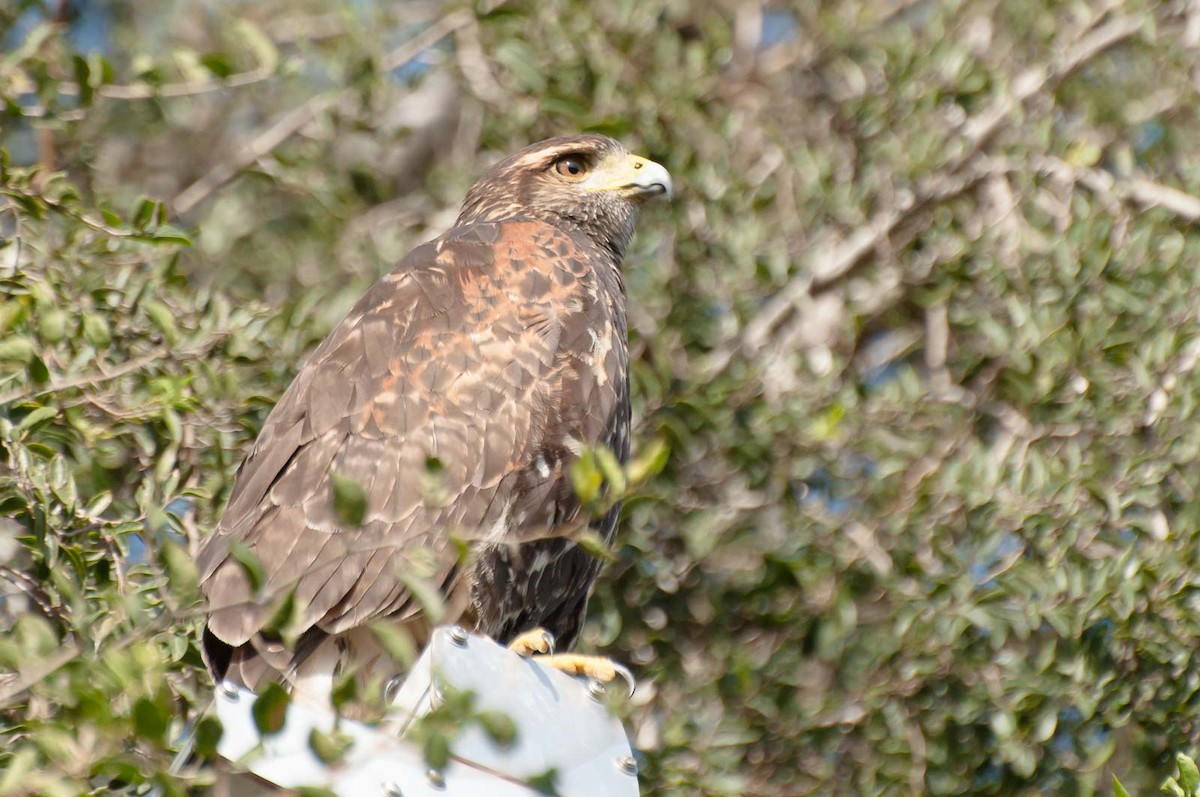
[595, 667]
[538, 640]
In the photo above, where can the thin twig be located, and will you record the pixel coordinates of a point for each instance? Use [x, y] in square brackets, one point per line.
[1136, 190]
[294, 120]
[130, 366]
[146, 91]
[49, 666]
[58, 207]
[262, 144]
[89, 380]
[192, 352]
[30, 587]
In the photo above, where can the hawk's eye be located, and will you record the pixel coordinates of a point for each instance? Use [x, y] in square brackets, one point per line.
[572, 167]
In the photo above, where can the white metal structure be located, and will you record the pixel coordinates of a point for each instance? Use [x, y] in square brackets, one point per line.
[562, 724]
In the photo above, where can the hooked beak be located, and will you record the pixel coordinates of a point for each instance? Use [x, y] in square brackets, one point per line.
[637, 177]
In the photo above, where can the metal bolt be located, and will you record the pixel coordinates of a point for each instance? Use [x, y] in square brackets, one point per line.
[392, 789]
[231, 692]
[595, 690]
[627, 764]
[458, 636]
[436, 779]
[392, 688]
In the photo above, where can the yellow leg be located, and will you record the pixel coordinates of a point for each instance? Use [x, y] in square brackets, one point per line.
[597, 667]
[537, 640]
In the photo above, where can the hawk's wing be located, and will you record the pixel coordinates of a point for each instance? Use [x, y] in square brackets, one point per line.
[494, 350]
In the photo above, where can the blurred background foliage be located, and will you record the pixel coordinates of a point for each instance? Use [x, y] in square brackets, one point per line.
[921, 330]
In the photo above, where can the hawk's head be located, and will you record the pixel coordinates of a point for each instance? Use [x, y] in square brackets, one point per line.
[589, 183]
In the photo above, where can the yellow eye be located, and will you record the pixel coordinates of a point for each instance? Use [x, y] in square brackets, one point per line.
[571, 167]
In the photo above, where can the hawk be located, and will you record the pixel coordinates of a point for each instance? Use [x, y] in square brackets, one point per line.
[456, 394]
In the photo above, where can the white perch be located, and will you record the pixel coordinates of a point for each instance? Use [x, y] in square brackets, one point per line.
[562, 724]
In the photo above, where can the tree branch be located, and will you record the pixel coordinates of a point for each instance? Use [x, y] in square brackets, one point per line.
[294, 120]
[958, 175]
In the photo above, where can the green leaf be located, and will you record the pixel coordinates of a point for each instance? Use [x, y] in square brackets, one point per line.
[163, 318]
[1083, 153]
[396, 642]
[219, 64]
[270, 709]
[330, 748]
[142, 212]
[110, 217]
[586, 478]
[345, 689]
[39, 374]
[52, 325]
[437, 749]
[265, 51]
[100, 69]
[649, 462]
[35, 636]
[1118, 789]
[545, 783]
[349, 500]
[96, 331]
[99, 502]
[499, 727]
[167, 234]
[252, 566]
[17, 769]
[611, 470]
[827, 425]
[1189, 774]
[149, 719]
[37, 417]
[12, 312]
[425, 593]
[284, 617]
[57, 744]
[208, 736]
[183, 579]
[173, 424]
[16, 349]
[591, 542]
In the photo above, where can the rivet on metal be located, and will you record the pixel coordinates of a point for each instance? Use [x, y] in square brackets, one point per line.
[436, 779]
[595, 690]
[392, 789]
[392, 688]
[458, 636]
[231, 692]
[627, 764]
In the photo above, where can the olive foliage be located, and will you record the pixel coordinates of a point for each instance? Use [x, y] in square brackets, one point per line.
[920, 334]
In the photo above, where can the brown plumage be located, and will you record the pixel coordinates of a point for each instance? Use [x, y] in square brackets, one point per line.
[456, 393]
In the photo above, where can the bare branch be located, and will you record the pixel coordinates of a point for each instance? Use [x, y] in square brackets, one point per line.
[124, 369]
[294, 120]
[262, 144]
[58, 207]
[50, 665]
[1152, 194]
[1136, 190]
